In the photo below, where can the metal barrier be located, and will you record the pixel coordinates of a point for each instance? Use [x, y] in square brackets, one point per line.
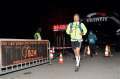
[17, 54]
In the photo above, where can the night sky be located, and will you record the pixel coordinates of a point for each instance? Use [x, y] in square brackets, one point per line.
[21, 19]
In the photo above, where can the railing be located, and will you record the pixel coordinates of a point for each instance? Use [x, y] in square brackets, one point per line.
[16, 54]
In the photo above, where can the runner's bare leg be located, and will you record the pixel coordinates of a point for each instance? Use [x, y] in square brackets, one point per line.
[77, 56]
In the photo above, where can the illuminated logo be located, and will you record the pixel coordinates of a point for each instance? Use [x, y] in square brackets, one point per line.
[29, 52]
[96, 17]
[59, 27]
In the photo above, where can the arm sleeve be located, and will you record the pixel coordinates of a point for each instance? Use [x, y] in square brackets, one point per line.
[68, 29]
[84, 29]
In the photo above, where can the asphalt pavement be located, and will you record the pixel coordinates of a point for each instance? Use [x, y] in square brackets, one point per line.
[98, 67]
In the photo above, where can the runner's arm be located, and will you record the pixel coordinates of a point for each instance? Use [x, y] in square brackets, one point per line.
[84, 29]
[68, 29]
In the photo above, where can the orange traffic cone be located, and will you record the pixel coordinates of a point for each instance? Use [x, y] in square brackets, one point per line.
[88, 50]
[51, 53]
[60, 59]
[107, 51]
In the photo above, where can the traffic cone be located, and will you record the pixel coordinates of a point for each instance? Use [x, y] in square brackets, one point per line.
[107, 51]
[88, 50]
[61, 61]
[51, 53]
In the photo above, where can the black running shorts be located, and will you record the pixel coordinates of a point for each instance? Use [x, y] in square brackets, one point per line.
[76, 44]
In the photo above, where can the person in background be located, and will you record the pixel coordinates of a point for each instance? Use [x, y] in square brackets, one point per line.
[92, 43]
[76, 30]
[37, 35]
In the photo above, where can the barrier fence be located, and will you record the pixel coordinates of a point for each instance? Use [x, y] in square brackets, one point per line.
[16, 54]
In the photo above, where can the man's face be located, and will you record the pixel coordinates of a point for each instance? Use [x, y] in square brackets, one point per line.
[76, 18]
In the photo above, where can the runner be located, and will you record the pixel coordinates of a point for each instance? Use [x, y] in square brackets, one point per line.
[76, 30]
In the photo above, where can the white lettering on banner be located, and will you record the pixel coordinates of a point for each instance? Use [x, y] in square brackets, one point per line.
[101, 18]
[106, 19]
[90, 20]
[97, 19]
[94, 19]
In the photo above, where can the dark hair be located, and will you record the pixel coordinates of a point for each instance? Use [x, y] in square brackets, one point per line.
[76, 14]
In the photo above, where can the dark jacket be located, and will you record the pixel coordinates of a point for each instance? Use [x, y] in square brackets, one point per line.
[92, 38]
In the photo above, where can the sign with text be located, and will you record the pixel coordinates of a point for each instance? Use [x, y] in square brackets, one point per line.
[59, 27]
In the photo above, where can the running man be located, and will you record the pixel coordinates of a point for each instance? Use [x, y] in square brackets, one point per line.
[76, 30]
